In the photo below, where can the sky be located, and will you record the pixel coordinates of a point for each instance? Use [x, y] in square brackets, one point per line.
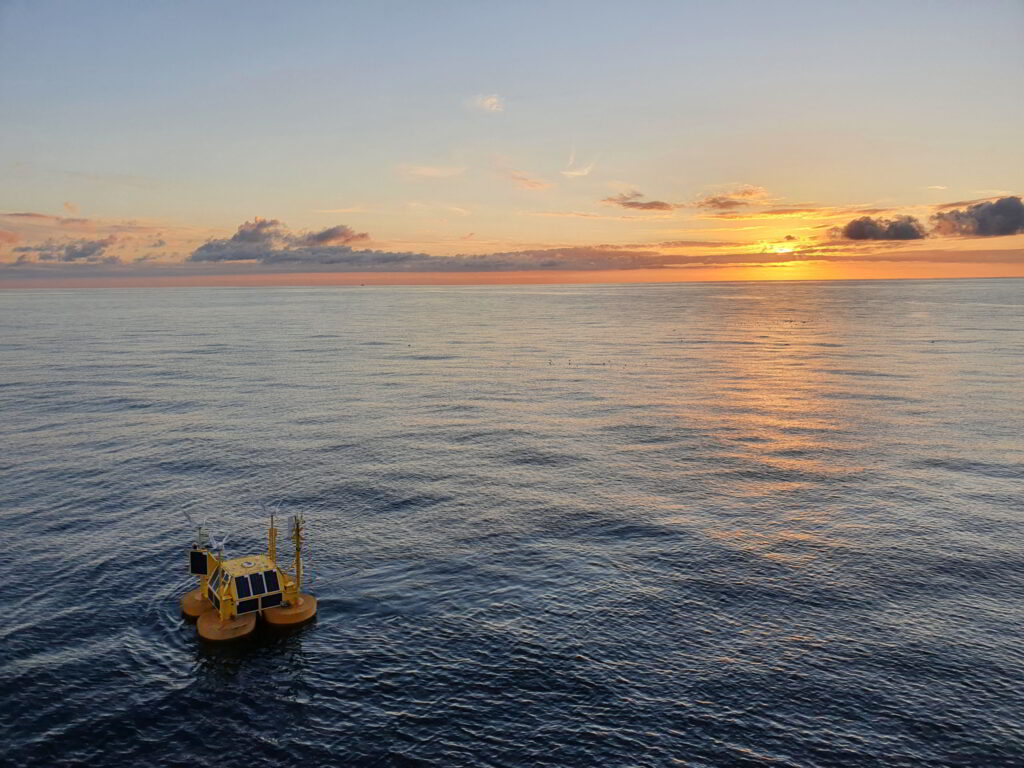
[251, 143]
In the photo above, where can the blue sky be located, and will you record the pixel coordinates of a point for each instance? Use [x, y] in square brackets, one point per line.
[194, 117]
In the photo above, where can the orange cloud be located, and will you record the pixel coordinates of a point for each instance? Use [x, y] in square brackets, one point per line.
[744, 195]
[633, 201]
[801, 212]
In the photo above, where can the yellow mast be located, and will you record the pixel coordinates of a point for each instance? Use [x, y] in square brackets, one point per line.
[297, 535]
[272, 542]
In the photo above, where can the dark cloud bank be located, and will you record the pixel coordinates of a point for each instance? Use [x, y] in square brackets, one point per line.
[266, 245]
[986, 218]
[269, 242]
[80, 251]
[900, 228]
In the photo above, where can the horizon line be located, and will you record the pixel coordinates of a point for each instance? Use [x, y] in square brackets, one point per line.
[304, 281]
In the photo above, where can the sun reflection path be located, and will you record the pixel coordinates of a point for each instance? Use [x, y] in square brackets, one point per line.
[786, 445]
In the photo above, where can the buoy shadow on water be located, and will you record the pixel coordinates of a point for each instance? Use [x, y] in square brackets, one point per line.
[234, 592]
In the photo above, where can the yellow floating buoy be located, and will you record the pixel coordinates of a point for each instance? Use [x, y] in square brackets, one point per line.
[233, 592]
[211, 627]
[299, 612]
[194, 604]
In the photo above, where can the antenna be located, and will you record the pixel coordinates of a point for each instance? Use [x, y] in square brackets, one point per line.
[296, 523]
[272, 531]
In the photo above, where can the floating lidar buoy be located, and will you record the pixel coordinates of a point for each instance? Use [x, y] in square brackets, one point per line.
[234, 592]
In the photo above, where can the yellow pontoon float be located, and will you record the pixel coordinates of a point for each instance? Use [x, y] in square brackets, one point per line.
[232, 593]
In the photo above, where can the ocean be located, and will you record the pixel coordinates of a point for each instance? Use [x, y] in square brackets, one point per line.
[719, 524]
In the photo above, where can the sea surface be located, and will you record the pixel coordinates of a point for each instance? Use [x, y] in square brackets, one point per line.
[734, 524]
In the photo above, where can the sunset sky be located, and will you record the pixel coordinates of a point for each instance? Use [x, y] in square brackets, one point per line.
[460, 142]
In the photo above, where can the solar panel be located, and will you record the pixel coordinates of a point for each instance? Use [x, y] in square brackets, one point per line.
[214, 599]
[271, 577]
[197, 562]
[270, 600]
[258, 588]
[242, 585]
[248, 606]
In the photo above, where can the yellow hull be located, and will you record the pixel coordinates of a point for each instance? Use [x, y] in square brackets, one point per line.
[211, 627]
[194, 604]
[291, 615]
